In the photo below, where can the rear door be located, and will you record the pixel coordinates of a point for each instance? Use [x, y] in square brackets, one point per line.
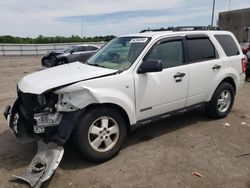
[204, 65]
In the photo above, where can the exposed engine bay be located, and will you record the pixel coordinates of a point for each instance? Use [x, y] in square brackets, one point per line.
[44, 115]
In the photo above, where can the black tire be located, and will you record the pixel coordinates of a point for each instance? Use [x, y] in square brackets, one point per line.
[82, 136]
[62, 61]
[214, 109]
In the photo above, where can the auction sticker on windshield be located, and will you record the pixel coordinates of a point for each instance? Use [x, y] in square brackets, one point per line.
[138, 40]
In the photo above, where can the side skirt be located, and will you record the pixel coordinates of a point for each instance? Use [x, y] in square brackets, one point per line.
[150, 120]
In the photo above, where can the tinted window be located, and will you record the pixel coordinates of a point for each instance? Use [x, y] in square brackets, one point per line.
[200, 50]
[169, 53]
[91, 48]
[228, 44]
[79, 49]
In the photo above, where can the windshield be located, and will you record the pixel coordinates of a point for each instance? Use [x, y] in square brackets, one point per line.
[68, 49]
[120, 53]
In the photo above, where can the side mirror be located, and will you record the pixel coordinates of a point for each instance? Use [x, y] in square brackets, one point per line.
[150, 66]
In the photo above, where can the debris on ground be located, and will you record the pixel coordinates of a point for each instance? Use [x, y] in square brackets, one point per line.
[226, 124]
[244, 123]
[43, 164]
[197, 174]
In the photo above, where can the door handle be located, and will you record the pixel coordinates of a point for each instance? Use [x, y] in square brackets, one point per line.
[179, 75]
[215, 67]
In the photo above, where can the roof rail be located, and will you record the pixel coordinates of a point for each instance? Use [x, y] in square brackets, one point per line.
[182, 28]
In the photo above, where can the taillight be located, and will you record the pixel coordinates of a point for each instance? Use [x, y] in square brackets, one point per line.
[244, 64]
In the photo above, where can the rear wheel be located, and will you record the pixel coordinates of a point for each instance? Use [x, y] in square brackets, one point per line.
[100, 134]
[222, 101]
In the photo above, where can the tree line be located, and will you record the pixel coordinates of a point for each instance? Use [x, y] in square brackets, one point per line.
[57, 39]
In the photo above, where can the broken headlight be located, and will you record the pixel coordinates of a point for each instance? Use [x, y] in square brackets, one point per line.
[41, 100]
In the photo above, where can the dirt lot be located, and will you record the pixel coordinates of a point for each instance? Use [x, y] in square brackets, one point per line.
[161, 155]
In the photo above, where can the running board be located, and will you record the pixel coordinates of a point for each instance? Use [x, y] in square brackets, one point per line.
[43, 165]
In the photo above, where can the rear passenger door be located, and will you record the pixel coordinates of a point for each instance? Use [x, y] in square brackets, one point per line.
[204, 65]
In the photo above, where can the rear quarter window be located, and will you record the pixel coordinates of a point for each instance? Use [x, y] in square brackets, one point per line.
[228, 44]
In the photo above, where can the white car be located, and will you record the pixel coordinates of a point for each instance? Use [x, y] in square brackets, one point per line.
[132, 81]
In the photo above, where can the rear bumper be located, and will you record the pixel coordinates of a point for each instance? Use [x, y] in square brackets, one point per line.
[242, 80]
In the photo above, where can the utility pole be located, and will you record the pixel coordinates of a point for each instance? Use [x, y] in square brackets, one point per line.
[212, 21]
[82, 28]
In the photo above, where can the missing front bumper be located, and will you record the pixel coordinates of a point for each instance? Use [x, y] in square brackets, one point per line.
[43, 165]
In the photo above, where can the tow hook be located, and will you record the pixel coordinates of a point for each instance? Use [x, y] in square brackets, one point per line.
[43, 165]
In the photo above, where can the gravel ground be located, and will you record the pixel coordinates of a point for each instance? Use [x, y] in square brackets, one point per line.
[164, 154]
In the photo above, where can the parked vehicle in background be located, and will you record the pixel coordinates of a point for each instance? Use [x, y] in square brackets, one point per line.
[246, 50]
[245, 47]
[248, 66]
[68, 55]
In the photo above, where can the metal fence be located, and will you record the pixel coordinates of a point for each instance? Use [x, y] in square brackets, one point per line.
[36, 49]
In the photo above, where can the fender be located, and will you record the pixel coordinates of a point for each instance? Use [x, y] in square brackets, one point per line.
[228, 72]
[87, 96]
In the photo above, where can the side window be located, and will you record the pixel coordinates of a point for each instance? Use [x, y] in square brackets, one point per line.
[90, 48]
[200, 49]
[170, 53]
[228, 44]
[79, 49]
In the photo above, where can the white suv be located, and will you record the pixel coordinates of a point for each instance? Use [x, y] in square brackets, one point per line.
[132, 81]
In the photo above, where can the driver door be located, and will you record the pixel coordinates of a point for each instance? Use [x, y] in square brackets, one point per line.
[161, 92]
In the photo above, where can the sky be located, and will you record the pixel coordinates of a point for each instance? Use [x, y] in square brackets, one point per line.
[30, 18]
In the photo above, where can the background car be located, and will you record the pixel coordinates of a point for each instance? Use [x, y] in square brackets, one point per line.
[248, 66]
[245, 47]
[71, 54]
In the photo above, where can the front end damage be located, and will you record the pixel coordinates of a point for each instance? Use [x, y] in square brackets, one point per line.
[48, 119]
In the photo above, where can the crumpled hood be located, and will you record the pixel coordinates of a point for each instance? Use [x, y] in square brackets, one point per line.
[41, 81]
[57, 52]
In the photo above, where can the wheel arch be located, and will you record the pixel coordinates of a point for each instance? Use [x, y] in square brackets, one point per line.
[231, 81]
[112, 106]
[227, 79]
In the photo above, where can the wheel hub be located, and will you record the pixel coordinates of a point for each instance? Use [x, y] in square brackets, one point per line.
[224, 101]
[103, 134]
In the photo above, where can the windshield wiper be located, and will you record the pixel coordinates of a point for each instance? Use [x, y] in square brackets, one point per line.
[97, 65]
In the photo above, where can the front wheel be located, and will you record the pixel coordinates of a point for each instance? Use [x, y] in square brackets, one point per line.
[222, 101]
[100, 134]
[62, 61]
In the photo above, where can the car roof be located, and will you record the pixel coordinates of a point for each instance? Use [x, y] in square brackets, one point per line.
[157, 34]
[86, 45]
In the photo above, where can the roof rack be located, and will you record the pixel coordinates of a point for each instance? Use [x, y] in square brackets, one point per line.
[182, 28]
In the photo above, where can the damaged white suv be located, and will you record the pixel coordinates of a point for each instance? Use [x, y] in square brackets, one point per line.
[132, 81]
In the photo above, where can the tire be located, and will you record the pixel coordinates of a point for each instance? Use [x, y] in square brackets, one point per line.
[222, 101]
[96, 143]
[62, 61]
